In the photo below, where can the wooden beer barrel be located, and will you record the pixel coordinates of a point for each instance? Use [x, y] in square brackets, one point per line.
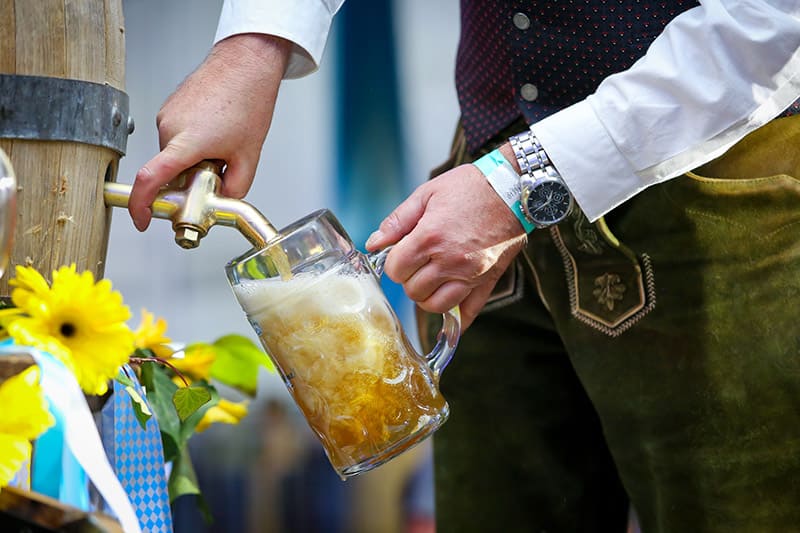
[64, 124]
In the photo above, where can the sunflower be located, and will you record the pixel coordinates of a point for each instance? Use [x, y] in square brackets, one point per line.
[25, 417]
[150, 335]
[77, 320]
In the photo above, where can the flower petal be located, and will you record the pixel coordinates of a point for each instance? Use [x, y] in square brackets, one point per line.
[225, 412]
[25, 410]
[14, 451]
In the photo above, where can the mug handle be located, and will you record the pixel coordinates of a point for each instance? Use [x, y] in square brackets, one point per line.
[446, 340]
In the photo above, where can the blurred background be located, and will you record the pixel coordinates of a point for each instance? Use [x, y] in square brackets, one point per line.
[356, 137]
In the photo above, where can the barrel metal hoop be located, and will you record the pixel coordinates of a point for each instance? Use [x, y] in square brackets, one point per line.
[61, 109]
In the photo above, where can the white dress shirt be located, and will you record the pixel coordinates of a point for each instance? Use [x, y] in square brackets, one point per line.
[306, 23]
[716, 73]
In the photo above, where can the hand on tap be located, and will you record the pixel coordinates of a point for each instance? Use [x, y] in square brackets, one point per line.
[222, 111]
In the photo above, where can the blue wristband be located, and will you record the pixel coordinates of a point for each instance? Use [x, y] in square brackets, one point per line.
[505, 182]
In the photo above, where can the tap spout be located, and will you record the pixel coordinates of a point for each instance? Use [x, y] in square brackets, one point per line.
[192, 204]
[244, 217]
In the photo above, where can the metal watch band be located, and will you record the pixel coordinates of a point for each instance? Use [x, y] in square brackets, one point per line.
[529, 153]
[541, 184]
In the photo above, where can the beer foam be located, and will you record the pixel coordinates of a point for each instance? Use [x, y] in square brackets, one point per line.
[332, 319]
[330, 293]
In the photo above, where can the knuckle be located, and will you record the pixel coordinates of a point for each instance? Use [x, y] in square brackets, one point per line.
[416, 292]
[478, 263]
[144, 176]
[431, 240]
[429, 306]
[391, 222]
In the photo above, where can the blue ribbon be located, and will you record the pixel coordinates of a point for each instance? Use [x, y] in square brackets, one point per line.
[69, 454]
[56, 472]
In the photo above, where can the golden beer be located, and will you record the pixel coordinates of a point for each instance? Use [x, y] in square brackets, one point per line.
[316, 303]
[360, 385]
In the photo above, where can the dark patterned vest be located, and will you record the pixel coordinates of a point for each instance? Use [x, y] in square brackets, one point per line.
[532, 58]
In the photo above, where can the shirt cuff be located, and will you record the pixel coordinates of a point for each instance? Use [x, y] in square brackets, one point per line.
[306, 23]
[578, 145]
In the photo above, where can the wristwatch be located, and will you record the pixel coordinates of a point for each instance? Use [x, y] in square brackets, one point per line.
[544, 195]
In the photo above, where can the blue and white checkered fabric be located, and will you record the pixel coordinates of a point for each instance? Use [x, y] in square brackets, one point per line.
[137, 457]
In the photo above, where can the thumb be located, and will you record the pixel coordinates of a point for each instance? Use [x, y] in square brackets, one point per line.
[399, 223]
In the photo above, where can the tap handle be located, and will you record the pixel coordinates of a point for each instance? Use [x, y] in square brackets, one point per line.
[214, 166]
[191, 201]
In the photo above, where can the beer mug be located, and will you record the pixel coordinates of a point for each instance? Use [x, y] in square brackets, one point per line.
[316, 303]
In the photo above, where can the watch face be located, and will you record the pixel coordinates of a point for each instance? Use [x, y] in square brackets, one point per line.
[547, 202]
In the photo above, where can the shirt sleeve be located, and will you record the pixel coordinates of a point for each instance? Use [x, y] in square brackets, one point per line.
[717, 72]
[306, 23]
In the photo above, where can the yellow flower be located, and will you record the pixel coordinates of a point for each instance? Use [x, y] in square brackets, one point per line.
[7, 316]
[225, 412]
[196, 361]
[77, 320]
[150, 335]
[25, 417]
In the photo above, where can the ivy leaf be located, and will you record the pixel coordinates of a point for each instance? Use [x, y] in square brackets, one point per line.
[182, 477]
[189, 399]
[123, 378]
[160, 390]
[183, 482]
[188, 425]
[140, 409]
[237, 363]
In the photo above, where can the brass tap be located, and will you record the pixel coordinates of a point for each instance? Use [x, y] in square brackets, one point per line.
[191, 202]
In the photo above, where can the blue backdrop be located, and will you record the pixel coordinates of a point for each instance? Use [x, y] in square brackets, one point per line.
[370, 169]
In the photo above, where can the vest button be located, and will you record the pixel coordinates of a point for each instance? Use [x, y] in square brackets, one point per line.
[521, 21]
[529, 92]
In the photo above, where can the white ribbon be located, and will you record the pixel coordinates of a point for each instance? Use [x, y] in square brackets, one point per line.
[81, 435]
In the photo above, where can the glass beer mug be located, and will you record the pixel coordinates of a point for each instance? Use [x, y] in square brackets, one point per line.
[316, 303]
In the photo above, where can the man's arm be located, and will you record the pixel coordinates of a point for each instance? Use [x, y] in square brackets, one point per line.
[716, 73]
[223, 110]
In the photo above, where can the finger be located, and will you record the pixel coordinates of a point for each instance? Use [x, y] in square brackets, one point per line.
[404, 260]
[399, 223]
[237, 179]
[471, 306]
[150, 178]
[447, 296]
[425, 281]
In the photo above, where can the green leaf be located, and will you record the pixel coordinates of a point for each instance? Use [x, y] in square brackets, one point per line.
[189, 399]
[143, 353]
[237, 363]
[188, 425]
[182, 478]
[124, 379]
[159, 391]
[183, 482]
[140, 409]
